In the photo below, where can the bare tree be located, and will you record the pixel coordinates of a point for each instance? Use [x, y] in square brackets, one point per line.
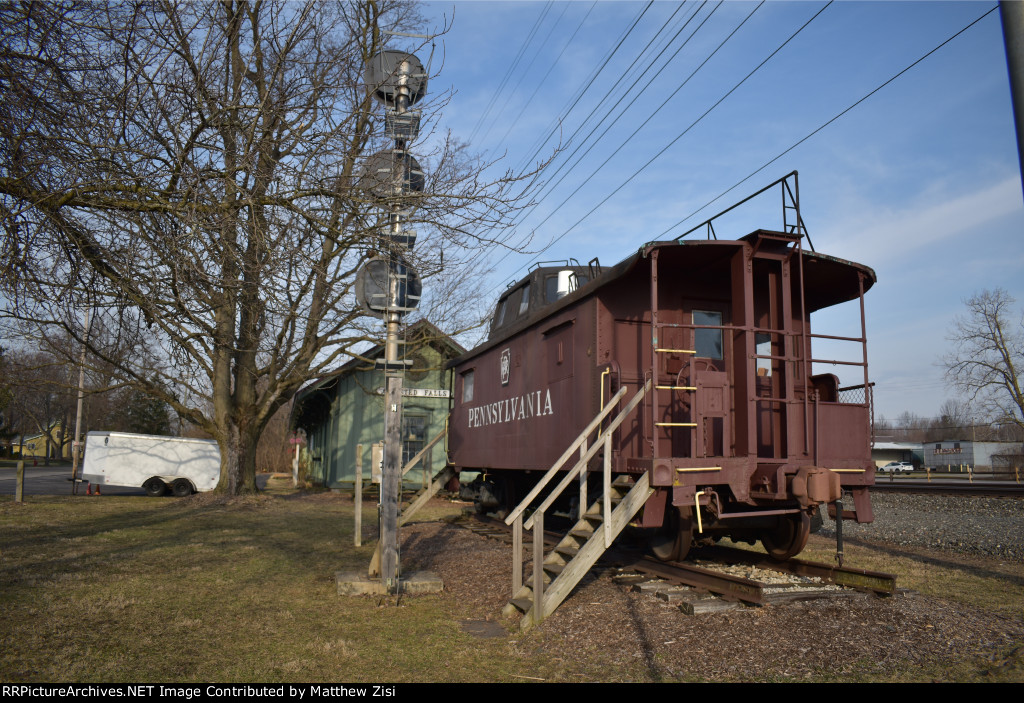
[988, 356]
[953, 422]
[190, 173]
[909, 427]
[40, 399]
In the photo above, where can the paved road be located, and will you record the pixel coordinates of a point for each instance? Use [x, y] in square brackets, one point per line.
[51, 480]
[55, 479]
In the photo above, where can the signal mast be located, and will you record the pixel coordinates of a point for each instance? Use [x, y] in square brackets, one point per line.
[387, 286]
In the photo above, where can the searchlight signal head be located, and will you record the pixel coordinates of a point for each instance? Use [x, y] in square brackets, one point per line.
[392, 75]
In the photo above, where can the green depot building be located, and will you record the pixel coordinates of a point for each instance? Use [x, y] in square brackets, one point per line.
[344, 411]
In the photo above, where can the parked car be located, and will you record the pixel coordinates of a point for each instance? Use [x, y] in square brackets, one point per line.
[897, 466]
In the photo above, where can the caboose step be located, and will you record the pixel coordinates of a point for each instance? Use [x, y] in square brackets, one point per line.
[581, 557]
[522, 604]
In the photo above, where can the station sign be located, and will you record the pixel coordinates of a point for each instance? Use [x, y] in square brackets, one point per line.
[422, 392]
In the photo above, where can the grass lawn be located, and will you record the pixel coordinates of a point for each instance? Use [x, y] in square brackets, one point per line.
[133, 589]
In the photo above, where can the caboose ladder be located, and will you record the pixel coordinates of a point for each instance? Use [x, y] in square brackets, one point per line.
[566, 565]
[556, 575]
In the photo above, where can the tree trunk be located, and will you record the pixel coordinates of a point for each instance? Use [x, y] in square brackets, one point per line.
[238, 460]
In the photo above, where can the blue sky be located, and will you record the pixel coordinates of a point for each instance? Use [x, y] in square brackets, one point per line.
[920, 181]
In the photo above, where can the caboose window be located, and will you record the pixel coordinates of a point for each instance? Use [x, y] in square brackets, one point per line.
[551, 288]
[524, 302]
[500, 315]
[763, 347]
[707, 343]
[467, 386]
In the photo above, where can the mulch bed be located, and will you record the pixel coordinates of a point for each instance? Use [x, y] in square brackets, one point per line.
[640, 636]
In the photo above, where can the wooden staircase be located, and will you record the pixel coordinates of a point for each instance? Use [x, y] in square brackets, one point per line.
[557, 573]
[426, 493]
[565, 566]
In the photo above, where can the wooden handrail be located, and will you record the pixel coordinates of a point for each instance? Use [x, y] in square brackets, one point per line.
[591, 452]
[518, 510]
[415, 460]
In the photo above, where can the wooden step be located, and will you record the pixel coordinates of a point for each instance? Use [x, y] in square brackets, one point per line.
[583, 556]
[528, 580]
[522, 604]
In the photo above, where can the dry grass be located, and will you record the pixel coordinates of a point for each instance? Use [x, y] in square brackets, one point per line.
[203, 589]
[992, 584]
[206, 589]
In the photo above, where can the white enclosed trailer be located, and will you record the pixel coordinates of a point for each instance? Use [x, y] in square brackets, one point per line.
[158, 464]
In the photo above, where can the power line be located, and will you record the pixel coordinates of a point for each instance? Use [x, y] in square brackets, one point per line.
[582, 91]
[692, 124]
[826, 124]
[650, 45]
[574, 102]
[525, 72]
[621, 146]
[594, 142]
[529, 101]
[511, 69]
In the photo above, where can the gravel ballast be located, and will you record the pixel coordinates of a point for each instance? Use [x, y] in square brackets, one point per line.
[973, 525]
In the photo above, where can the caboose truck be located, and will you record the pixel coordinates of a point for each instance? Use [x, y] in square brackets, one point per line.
[736, 436]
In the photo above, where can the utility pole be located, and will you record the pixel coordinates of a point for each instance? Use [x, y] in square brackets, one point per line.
[1011, 12]
[76, 445]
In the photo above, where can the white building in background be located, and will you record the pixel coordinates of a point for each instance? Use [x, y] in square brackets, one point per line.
[980, 456]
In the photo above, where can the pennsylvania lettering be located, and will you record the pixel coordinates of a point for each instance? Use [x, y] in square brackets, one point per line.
[523, 407]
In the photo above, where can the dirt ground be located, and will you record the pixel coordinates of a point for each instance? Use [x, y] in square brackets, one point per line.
[904, 637]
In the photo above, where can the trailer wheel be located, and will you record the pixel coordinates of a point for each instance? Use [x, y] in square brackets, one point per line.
[181, 487]
[671, 541]
[789, 536]
[154, 487]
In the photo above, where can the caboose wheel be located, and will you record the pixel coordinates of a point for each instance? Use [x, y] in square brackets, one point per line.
[671, 541]
[788, 538]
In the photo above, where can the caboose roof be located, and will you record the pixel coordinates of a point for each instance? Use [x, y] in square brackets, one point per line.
[828, 280]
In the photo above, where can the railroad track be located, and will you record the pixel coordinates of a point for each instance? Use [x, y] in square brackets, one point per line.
[998, 489]
[800, 580]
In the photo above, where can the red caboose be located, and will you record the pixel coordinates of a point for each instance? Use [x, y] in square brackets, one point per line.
[734, 433]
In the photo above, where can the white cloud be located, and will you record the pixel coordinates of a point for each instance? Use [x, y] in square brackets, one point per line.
[901, 234]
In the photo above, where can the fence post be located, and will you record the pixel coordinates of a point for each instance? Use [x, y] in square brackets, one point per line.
[517, 555]
[358, 496]
[19, 490]
[584, 500]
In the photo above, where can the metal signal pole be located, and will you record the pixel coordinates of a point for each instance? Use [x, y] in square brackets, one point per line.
[390, 288]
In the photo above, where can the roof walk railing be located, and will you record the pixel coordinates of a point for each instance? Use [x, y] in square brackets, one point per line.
[792, 222]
